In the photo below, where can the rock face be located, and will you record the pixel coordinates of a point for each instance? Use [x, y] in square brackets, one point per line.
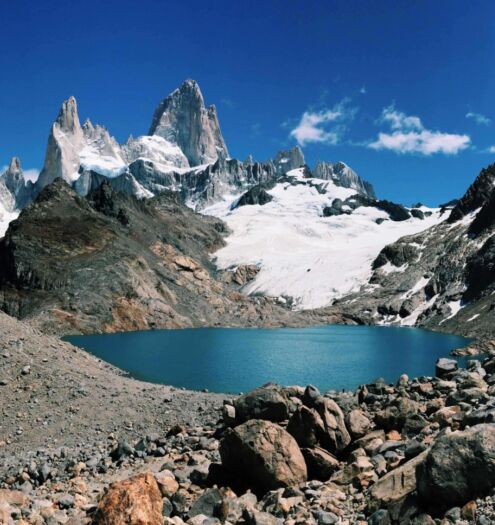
[289, 160]
[112, 262]
[12, 181]
[134, 501]
[441, 278]
[255, 195]
[64, 144]
[183, 119]
[459, 467]
[476, 196]
[398, 483]
[267, 454]
[343, 176]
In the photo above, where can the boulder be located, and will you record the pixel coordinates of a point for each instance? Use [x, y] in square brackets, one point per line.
[459, 467]
[336, 437]
[397, 484]
[445, 367]
[394, 416]
[267, 402]
[267, 456]
[321, 464]
[134, 501]
[357, 423]
[306, 426]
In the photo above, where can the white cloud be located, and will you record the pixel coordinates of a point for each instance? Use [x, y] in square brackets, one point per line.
[410, 136]
[479, 118]
[31, 174]
[491, 149]
[325, 126]
[399, 120]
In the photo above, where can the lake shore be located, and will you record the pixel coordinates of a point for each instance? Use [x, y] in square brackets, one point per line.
[72, 424]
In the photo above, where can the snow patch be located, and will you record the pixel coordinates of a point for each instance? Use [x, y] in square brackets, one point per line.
[301, 254]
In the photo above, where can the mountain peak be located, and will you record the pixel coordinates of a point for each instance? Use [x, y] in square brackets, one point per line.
[183, 119]
[68, 118]
[15, 165]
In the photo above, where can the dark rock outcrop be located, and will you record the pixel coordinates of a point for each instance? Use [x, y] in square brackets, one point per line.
[476, 196]
[459, 467]
[255, 195]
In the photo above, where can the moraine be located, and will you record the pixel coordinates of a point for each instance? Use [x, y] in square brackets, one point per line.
[233, 360]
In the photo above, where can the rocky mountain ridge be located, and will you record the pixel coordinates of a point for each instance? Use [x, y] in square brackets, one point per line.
[112, 262]
[184, 151]
[441, 278]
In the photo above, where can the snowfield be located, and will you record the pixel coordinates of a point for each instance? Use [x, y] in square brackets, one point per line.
[301, 254]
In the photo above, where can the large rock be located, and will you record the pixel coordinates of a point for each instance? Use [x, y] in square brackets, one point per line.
[321, 464]
[268, 402]
[459, 467]
[265, 455]
[134, 501]
[397, 484]
[357, 423]
[183, 119]
[445, 367]
[322, 424]
[395, 415]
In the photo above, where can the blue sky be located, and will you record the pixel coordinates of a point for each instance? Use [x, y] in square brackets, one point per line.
[404, 92]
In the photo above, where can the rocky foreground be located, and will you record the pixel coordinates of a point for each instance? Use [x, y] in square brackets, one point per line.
[81, 443]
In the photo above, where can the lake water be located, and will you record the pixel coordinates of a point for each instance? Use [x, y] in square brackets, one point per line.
[239, 359]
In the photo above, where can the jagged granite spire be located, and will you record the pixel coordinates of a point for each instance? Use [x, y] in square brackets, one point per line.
[64, 143]
[183, 119]
[289, 160]
[342, 175]
[14, 193]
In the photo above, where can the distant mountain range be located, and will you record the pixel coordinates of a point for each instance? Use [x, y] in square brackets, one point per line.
[303, 238]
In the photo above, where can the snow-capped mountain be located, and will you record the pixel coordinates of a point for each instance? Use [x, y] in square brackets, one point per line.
[184, 151]
[442, 278]
[15, 193]
[344, 176]
[183, 119]
[304, 254]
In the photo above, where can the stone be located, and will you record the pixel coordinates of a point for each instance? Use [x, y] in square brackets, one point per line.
[445, 367]
[228, 414]
[396, 484]
[394, 416]
[134, 501]
[167, 483]
[357, 423]
[459, 467]
[320, 463]
[306, 426]
[267, 455]
[209, 504]
[380, 517]
[256, 517]
[311, 394]
[336, 437]
[267, 402]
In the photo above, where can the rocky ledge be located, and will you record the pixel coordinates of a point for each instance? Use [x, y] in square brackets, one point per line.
[421, 451]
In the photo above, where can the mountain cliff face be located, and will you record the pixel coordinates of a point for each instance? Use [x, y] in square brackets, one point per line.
[343, 176]
[183, 119]
[184, 152]
[15, 193]
[110, 262]
[441, 278]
